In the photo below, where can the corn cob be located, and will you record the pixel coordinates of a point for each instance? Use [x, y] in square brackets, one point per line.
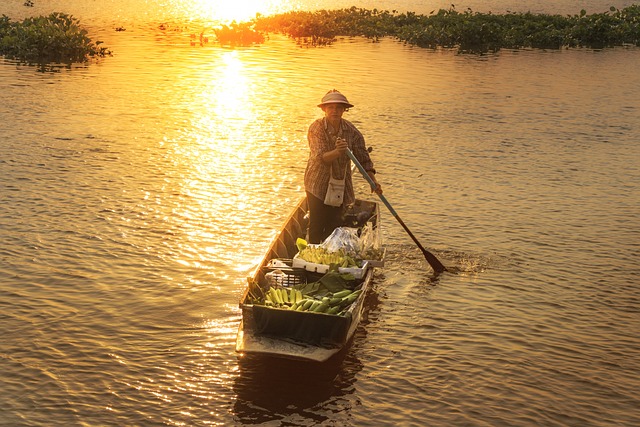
[342, 293]
[333, 310]
[306, 304]
[349, 299]
[335, 301]
[274, 295]
[321, 308]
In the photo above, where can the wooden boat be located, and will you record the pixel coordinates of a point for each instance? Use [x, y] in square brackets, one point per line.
[303, 335]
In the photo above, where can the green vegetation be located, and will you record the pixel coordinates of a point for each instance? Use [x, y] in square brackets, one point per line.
[467, 31]
[57, 38]
[239, 34]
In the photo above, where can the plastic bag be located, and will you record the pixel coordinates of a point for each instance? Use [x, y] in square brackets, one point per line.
[363, 246]
[368, 243]
[345, 238]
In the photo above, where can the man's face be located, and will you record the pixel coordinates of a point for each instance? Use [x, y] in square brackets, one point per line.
[333, 111]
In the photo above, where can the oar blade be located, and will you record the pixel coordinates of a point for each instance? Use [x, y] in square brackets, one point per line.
[434, 262]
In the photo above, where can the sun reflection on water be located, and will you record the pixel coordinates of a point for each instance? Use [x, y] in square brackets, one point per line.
[228, 98]
[217, 156]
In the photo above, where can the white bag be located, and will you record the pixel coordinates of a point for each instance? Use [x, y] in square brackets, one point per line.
[335, 189]
[335, 192]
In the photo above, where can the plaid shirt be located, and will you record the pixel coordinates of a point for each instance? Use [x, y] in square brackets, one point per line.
[322, 139]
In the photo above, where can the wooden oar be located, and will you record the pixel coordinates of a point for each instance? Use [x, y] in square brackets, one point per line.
[437, 266]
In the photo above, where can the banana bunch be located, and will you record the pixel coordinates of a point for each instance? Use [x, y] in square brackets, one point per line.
[337, 303]
[319, 255]
[281, 297]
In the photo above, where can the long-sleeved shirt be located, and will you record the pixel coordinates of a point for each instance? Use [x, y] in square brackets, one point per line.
[322, 139]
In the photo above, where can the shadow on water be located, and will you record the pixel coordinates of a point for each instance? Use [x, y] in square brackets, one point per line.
[271, 388]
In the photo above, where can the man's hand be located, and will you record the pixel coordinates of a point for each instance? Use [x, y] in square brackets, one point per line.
[341, 146]
[378, 189]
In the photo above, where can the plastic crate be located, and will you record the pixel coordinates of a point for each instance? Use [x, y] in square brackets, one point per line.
[284, 276]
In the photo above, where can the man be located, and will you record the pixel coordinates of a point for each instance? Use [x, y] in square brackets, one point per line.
[329, 138]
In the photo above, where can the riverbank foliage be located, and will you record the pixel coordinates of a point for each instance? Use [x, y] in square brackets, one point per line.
[239, 34]
[468, 31]
[57, 38]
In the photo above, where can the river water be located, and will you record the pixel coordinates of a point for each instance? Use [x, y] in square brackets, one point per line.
[138, 192]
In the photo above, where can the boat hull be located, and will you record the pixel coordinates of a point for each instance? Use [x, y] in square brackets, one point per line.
[301, 335]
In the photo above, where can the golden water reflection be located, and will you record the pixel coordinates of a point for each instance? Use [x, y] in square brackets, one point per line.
[227, 11]
[226, 106]
[217, 152]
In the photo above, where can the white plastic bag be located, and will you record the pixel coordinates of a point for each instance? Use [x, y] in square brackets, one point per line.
[345, 238]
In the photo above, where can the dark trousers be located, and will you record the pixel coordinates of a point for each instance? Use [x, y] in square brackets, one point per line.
[323, 219]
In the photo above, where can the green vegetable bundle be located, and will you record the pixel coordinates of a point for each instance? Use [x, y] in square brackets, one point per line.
[336, 303]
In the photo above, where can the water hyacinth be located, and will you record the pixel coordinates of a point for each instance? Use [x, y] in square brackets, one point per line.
[238, 34]
[57, 38]
[469, 31]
